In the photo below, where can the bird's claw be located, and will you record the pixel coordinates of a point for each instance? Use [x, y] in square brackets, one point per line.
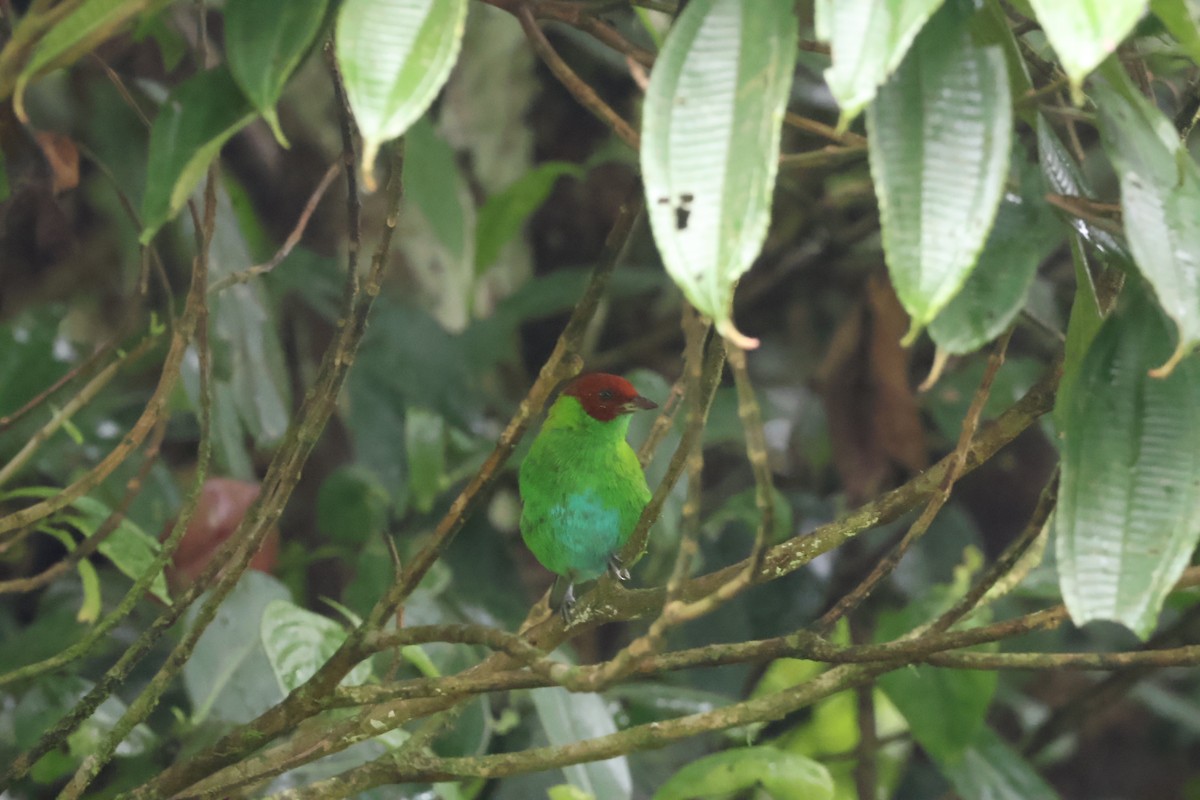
[567, 607]
[617, 569]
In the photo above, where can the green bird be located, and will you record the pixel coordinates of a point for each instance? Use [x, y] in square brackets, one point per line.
[582, 487]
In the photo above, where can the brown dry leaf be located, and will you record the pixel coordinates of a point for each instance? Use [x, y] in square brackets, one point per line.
[62, 156]
[897, 416]
[872, 413]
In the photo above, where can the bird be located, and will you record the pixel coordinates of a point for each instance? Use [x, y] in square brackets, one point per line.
[582, 487]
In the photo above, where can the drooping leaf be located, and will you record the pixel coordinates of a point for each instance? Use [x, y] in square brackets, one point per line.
[1084, 32]
[780, 773]
[1025, 233]
[1128, 513]
[501, 217]
[128, 547]
[1160, 198]
[868, 40]
[264, 42]
[710, 141]
[570, 718]
[298, 642]
[394, 56]
[196, 119]
[1082, 327]
[940, 136]
[73, 36]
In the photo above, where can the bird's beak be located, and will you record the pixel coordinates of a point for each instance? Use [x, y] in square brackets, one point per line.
[638, 403]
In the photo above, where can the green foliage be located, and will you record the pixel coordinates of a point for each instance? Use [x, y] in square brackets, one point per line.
[1020, 176]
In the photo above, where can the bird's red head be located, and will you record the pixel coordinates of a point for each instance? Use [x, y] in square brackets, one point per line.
[605, 397]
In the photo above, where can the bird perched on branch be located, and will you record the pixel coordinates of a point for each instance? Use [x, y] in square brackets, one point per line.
[582, 487]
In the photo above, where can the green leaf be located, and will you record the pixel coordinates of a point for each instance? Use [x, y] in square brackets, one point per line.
[395, 55]
[1082, 328]
[128, 547]
[1064, 177]
[569, 718]
[298, 642]
[868, 39]
[565, 791]
[780, 773]
[53, 697]
[1180, 17]
[433, 181]
[425, 444]
[710, 143]
[1025, 233]
[229, 678]
[264, 42]
[1084, 32]
[197, 118]
[1160, 198]
[940, 136]
[991, 770]
[501, 217]
[1128, 513]
[352, 505]
[72, 37]
[945, 708]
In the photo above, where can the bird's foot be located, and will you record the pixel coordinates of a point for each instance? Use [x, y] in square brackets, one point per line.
[566, 606]
[617, 569]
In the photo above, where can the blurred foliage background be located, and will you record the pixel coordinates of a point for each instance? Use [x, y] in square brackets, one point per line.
[510, 189]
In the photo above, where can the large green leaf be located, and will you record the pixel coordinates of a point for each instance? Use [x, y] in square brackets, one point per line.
[1160, 198]
[228, 677]
[196, 119]
[1024, 234]
[940, 133]
[298, 642]
[569, 718]
[1084, 32]
[1129, 507]
[780, 773]
[264, 42]
[868, 40]
[395, 55]
[710, 143]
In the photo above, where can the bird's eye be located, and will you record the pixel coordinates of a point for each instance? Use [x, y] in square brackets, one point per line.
[605, 394]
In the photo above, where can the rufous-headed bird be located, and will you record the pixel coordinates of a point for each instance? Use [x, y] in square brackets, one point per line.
[582, 487]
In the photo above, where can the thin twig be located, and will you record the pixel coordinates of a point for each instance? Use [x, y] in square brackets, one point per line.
[293, 238]
[578, 88]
